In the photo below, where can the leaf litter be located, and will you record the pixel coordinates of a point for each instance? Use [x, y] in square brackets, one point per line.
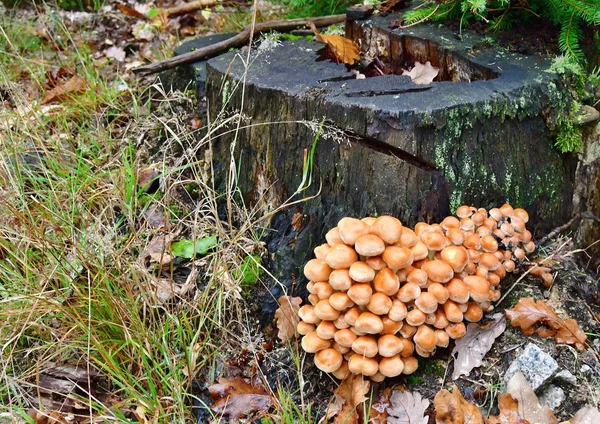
[235, 398]
[287, 318]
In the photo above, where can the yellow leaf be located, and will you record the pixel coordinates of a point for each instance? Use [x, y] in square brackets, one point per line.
[343, 48]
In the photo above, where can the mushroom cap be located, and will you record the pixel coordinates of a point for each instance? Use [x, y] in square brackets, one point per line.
[434, 240]
[438, 271]
[489, 260]
[450, 222]
[417, 276]
[307, 314]
[408, 292]
[328, 360]
[340, 256]
[317, 270]
[397, 257]
[369, 245]
[304, 328]
[442, 339]
[340, 279]
[425, 338]
[441, 321]
[386, 282]
[398, 310]
[313, 299]
[361, 272]
[387, 228]
[342, 349]
[529, 247]
[322, 289]
[474, 256]
[321, 251]
[344, 337]
[416, 317]
[478, 288]
[507, 210]
[325, 330]
[389, 345]
[527, 236]
[422, 227]
[478, 218]
[472, 241]
[333, 237]
[509, 265]
[351, 229]
[424, 353]
[467, 224]
[309, 287]
[522, 213]
[351, 315]
[427, 302]
[456, 236]
[465, 211]
[312, 343]
[357, 364]
[340, 301]
[407, 330]
[452, 312]
[390, 326]
[419, 251]
[325, 311]
[360, 293]
[408, 347]
[378, 377]
[365, 345]
[439, 291]
[456, 330]
[473, 313]
[392, 366]
[340, 323]
[342, 372]
[408, 238]
[380, 304]
[368, 323]
[455, 256]
[376, 262]
[489, 244]
[458, 290]
[369, 220]
[496, 214]
[410, 365]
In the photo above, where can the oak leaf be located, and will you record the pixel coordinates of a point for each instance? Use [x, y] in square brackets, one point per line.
[287, 317]
[352, 392]
[529, 406]
[422, 74]
[407, 408]
[76, 85]
[527, 313]
[452, 408]
[343, 48]
[469, 351]
[509, 411]
[235, 398]
[586, 415]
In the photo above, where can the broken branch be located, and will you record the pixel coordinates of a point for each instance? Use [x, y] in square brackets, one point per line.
[236, 41]
[191, 7]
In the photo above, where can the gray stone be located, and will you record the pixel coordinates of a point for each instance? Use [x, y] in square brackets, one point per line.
[566, 376]
[585, 369]
[553, 396]
[536, 365]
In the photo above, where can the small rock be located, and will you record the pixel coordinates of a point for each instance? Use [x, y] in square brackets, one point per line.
[553, 396]
[585, 369]
[566, 376]
[536, 365]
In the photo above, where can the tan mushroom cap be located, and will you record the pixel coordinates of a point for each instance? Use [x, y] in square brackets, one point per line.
[342, 372]
[307, 314]
[425, 338]
[522, 213]
[529, 247]
[322, 289]
[410, 365]
[340, 323]
[456, 236]
[386, 282]
[312, 343]
[333, 237]
[415, 317]
[361, 272]
[467, 224]
[387, 228]
[458, 290]
[342, 349]
[427, 302]
[369, 220]
[326, 330]
[389, 345]
[408, 292]
[340, 279]
[365, 345]
[313, 299]
[340, 256]
[344, 337]
[478, 218]
[376, 262]
[358, 364]
[408, 238]
[438, 271]
[478, 288]
[489, 260]
[455, 256]
[474, 312]
[351, 229]
[392, 366]
[360, 293]
[465, 211]
[390, 326]
[452, 311]
[317, 270]
[380, 304]
[440, 292]
[398, 310]
[407, 330]
[419, 251]
[304, 328]
[434, 240]
[417, 276]
[450, 222]
[321, 251]
[442, 339]
[340, 301]
[369, 245]
[368, 323]
[378, 377]
[507, 210]
[456, 330]
[328, 360]
[325, 311]
[441, 321]
[352, 315]
[495, 214]
[397, 257]
[489, 244]
[472, 241]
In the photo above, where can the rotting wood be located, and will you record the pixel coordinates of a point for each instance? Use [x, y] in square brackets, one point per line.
[236, 41]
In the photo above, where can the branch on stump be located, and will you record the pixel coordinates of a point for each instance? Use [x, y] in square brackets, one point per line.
[236, 41]
[191, 7]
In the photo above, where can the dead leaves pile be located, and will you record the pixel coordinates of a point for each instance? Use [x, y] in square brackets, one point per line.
[235, 398]
[537, 317]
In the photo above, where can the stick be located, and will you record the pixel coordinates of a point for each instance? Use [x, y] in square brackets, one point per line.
[190, 7]
[235, 41]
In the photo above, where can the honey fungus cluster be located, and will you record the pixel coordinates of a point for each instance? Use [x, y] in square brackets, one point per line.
[381, 293]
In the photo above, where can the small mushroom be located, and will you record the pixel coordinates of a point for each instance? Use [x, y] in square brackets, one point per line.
[392, 366]
[340, 301]
[317, 270]
[387, 228]
[351, 229]
[397, 257]
[410, 365]
[360, 293]
[340, 256]
[344, 337]
[380, 304]
[438, 271]
[362, 365]
[333, 237]
[368, 323]
[386, 282]
[340, 279]
[365, 345]
[328, 360]
[312, 343]
[361, 272]
[369, 245]
[321, 251]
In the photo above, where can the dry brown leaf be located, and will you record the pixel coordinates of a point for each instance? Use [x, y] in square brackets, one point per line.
[148, 175]
[343, 48]
[156, 218]
[287, 317]
[407, 408]
[234, 398]
[75, 85]
[334, 407]
[422, 74]
[116, 53]
[509, 411]
[470, 350]
[527, 313]
[378, 413]
[130, 11]
[157, 250]
[452, 408]
[352, 390]
[586, 415]
[529, 405]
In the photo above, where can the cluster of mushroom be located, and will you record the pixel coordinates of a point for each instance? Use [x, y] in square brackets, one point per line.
[381, 292]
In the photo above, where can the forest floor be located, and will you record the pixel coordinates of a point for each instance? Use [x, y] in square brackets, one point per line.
[131, 290]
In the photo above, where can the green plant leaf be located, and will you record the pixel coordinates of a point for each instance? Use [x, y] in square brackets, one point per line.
[152, 12]
[188, 249]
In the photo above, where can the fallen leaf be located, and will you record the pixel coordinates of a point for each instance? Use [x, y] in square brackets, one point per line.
[148, 175]
[586, 415]
[407, 408]
[55, 76]
[188, 249]
[452, 408]
[352, 391]
[157, 250]
[469, 351]
[130, 11]
[333, 408]
[235, 398]
[378, 413]
[116, 53]
[529, 405]
[343, 48]
[287, 317]
[75, 85]
[527, 313]
[156, 218]
[422, 74]
[509, 411]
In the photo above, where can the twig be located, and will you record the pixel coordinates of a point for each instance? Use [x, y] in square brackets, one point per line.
[192, 6]
[560, 229]
[236, 41]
